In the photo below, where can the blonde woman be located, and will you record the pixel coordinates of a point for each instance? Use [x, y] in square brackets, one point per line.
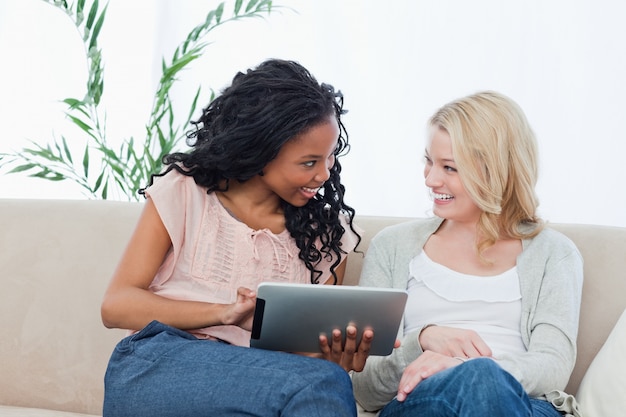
[494, 296]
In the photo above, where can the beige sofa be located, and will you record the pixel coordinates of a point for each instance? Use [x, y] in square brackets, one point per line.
[56, 258]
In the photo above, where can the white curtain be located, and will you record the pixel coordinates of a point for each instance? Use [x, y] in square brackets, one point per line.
[396, 62]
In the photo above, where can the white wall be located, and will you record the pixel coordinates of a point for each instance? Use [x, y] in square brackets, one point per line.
[396, 61]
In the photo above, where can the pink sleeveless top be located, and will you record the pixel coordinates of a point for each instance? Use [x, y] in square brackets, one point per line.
[213, 253]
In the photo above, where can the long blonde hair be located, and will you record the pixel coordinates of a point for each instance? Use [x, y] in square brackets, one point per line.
[496, 154]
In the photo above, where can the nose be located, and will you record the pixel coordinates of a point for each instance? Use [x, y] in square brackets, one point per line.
[432, 177]
[323, 174]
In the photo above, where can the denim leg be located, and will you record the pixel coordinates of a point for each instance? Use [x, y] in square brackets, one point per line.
[476, 388]
[162, 371]
[542, 408]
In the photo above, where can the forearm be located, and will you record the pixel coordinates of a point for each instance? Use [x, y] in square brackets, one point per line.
[134, 308]
[541, 371]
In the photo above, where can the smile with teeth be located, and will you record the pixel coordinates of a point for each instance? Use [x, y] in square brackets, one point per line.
[438, 196]
[311, 190]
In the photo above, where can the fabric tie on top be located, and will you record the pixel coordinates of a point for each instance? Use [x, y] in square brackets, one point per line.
[276, 243]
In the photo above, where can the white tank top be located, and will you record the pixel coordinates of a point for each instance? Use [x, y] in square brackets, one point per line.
[491, 305]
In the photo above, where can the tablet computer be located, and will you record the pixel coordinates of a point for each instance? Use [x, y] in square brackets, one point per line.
[290, 317]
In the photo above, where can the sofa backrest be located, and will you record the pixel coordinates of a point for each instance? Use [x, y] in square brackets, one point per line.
[603, 249]
[56, 259]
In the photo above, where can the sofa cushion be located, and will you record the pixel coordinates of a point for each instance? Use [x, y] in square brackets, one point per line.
[8, 411]
[602, 389]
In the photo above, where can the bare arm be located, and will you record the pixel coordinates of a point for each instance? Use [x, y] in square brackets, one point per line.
[340, 271]
[128, 304]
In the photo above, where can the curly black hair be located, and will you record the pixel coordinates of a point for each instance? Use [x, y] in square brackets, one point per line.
[244, 128]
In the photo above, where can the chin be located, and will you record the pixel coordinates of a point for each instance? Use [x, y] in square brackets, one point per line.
[297, 202]
[437, 211]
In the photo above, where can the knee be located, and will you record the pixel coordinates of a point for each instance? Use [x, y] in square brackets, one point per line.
[480, 375]
[477, 387]
[483, 366]
[320, 374]
[320, 388]
[493, 379]
[331, 373]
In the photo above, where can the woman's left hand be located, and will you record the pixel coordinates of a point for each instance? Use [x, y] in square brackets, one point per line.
[348, 355]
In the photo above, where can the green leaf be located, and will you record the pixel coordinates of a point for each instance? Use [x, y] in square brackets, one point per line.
[109, 154]
[130, 148]
[251, 5]
[76, 105]
[83, 125]
[96, 29]
[86, 162]
[118, 169]
[207, 22]
[73, 102]
[92, 14]
[219, 12]
[105, 191]
[98, 181]
[44, 153]
[237, 7]
[170, 111]
[49, 175]
[194, 104]
[22, 168]
[121, 183]
[68, 154]
[175, 67]
[58, 150]
[162, 139]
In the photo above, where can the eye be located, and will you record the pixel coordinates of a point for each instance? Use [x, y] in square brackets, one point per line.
[449, 168]
[309, 164]
[427, 160]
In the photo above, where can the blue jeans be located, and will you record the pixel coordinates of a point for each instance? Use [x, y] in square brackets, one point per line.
[162, 371]
[476, 388]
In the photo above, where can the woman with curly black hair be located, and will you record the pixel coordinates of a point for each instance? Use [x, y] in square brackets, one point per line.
[258, 198]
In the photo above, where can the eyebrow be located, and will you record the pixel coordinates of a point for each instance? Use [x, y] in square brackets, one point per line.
[311, 156]
[443, 160]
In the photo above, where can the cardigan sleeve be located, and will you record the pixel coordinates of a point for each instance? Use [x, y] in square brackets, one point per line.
[377, 384]
[551, 276]
[386, 264]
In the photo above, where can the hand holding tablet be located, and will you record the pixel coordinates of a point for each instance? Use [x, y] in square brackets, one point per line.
[291, 317]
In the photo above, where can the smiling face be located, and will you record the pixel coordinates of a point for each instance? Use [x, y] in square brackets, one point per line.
[303, 164]
[451, 200]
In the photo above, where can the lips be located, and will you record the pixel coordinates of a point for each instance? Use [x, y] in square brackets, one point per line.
[308, 192]
[311, 190]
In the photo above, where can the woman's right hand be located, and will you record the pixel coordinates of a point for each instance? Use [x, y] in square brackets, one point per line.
[426, 365]
[454, 342]
[241, 312]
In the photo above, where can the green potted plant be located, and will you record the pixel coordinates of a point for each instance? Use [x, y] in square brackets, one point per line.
[99, 168]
